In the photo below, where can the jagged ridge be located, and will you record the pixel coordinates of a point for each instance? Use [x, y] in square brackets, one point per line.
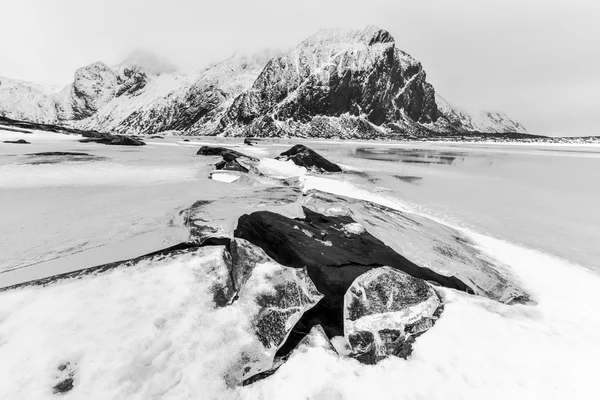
[337, 83]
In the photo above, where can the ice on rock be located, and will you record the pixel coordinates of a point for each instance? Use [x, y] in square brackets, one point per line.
[423, 241]
[354, 228]
[316, 338]
[385, 310]
[274, 298]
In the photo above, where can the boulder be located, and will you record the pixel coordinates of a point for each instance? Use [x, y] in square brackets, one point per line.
[334, 252]
[221, 151]
[20, 141]
[274, 298]
[385, 310]
[310, 159]
[425, 242]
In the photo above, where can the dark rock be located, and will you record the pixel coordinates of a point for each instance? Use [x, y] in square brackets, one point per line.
[310, 159]
[20, 141]
[131, 80]
[186, 140]
[409, 179]
[58, 153]
[221, 151]
[334, 252]
[114, 140]
[156, 137]
[63, 386]
[385, 310]
[425, 242]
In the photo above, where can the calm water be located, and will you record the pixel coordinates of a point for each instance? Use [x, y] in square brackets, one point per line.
[540, 196]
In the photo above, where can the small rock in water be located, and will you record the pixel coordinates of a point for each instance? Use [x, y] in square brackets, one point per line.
[385, 310]
[221, 151]
[310, 159]
[20, 141]
[63, 386]
[66, 378]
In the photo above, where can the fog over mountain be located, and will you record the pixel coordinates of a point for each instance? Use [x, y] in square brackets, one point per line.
[532, 59]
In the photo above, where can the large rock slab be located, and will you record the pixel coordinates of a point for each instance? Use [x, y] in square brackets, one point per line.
[273, 297]
[385, 310]
[334, 252]
[425, 242]
[310, 159]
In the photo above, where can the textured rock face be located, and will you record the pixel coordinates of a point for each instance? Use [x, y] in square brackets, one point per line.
[333, 256]
[333, 73]
[310, 159]
[93, 87]
[425, 242]
[384, 311]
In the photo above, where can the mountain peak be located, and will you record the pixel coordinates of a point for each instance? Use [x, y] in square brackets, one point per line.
[367, 36]
[148, 61]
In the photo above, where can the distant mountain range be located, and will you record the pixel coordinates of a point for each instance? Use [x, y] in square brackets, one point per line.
[335, 84]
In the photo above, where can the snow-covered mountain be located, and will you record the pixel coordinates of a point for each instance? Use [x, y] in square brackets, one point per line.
[337, 83]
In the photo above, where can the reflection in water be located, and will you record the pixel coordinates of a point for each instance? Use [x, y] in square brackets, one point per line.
[421, 156]
[416, 156]
[415, 180]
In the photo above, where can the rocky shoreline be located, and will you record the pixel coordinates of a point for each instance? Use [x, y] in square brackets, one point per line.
[313, 266]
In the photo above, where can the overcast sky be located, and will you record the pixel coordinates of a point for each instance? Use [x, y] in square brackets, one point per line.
[537, 60]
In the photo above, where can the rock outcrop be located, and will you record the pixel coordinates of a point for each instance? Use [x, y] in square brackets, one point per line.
[334, 253]
[425, 242]
[309, 159]
[385, 310]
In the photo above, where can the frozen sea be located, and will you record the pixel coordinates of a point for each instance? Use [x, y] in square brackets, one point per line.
[532, 207]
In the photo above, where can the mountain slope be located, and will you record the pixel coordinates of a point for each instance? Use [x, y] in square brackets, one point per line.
[483, 121]
[342, 81]
[26, 101]
[337, 83]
